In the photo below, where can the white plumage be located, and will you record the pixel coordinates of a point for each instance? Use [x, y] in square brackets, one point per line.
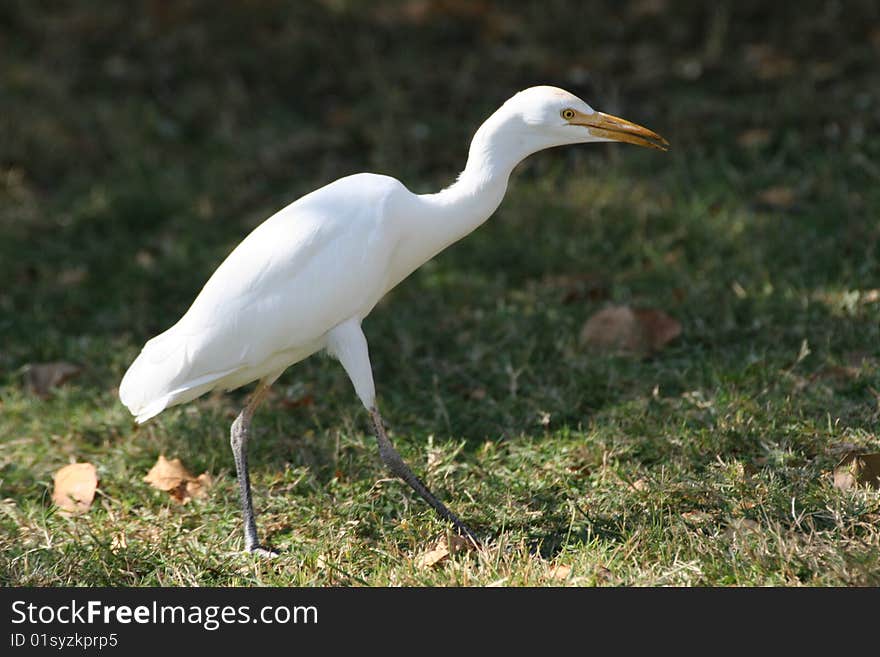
[305, 279]
[271, 302]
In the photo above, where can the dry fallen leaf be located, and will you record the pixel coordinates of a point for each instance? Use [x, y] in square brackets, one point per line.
[659, 329]
[641, 484]
[612, 328]
[450, 544]
[42, 377]
[559, 572]
[197, 488]
[173, 477]
[432, 557]
[854, 469]
[75, 486]
[167, 475]
[621, 328]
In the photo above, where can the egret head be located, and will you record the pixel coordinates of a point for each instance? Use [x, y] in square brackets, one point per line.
[549, 116]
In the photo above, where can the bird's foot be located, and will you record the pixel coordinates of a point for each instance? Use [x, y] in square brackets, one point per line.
[467, 533]
[261, 551]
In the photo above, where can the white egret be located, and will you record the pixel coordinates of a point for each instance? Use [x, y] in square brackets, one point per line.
[306, 278]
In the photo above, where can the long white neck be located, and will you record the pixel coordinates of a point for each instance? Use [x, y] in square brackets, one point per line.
[438, 220]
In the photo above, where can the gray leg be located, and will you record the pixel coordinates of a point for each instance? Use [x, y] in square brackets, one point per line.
[395, 463]
[238, 439]
[347, 342]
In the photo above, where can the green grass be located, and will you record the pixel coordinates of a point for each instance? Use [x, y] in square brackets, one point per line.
[139, 146]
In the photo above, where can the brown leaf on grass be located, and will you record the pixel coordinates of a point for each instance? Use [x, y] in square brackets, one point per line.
[777, 198]
[621, 328]
[613, 328]
[443, 548]
[641, 484]
[166, 475]
[854, 469]
[194, 489]
[658, 328]
[42, 377]
[432, 557]
[74, 487]
[559, 572]
[173, 477]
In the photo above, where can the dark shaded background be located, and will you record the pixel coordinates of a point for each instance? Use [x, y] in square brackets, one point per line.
[140, 140]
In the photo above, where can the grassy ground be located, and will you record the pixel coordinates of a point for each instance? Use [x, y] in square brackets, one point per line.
[138, 145]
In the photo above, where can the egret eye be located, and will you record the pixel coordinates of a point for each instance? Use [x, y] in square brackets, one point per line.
[568, 114]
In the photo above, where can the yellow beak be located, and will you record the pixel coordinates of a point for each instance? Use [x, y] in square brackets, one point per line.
[614, 128]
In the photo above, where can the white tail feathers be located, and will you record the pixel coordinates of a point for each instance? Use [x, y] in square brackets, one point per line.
[159, 378]
[146, 386]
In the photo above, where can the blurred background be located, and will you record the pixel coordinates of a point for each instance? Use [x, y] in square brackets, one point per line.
[139, 141]
[125, 123]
